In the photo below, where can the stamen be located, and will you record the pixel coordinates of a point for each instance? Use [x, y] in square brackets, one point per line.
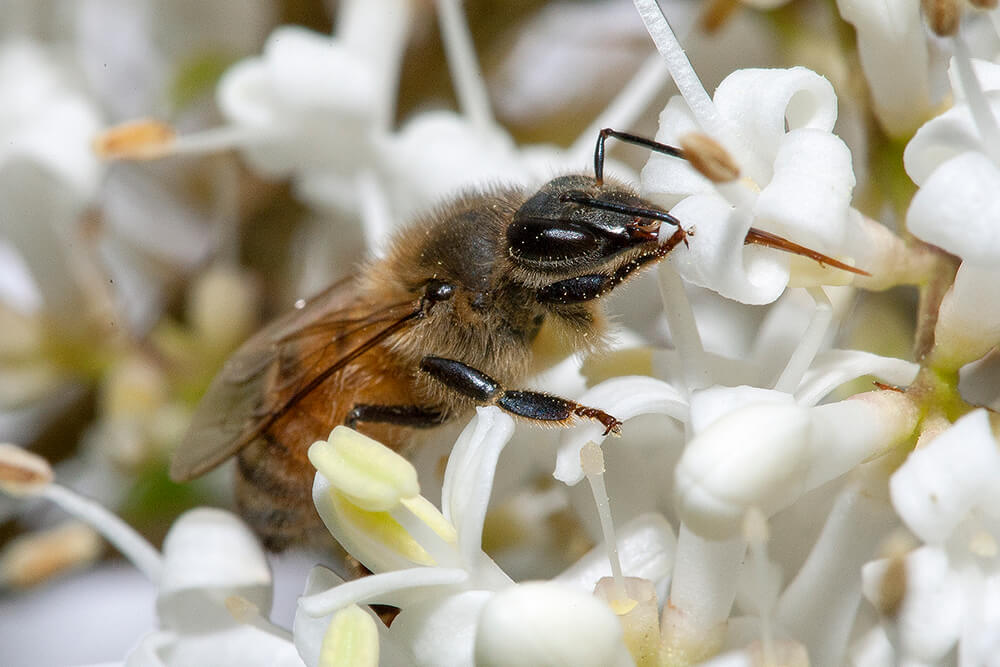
[37, 557]
[942, 16]
[25, 474]
[440, 547]
[809, 344]
[133, 546]
[709, 157]
[22, 473]
[153, 139]
[683, 329]
[717, 13]
[592, 462]
[690, 87]
[984, 4]
[145, 139]
[468, 79]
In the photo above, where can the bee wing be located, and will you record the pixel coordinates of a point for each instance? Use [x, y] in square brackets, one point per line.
[279, 366]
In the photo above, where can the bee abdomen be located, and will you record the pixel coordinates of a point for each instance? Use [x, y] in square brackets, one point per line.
[273, 494]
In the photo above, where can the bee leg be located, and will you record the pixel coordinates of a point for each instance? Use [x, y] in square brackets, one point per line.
[400, 415]
[483, 389]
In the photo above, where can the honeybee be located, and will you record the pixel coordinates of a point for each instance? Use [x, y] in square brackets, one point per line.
[444, 322]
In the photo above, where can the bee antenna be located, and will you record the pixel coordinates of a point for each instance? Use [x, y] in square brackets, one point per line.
[654, 146]
[615, 207]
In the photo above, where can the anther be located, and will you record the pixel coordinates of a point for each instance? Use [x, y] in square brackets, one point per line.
[709, 157]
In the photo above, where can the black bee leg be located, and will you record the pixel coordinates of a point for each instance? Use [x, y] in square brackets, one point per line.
[401, 415]
[596, 285]
[483, 389]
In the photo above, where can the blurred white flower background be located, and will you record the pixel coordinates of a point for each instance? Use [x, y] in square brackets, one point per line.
[809, 466]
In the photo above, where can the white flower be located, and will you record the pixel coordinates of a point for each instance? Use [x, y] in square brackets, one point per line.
[892, 46]
[431, 564]
[48, 173]
[213, 580]
[955, 161]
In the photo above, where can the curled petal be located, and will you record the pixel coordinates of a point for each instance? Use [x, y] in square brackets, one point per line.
[624, 398]
[716, 257]
[549, 624]
[766, 103]
[939, 484]
[809, 194]
[958, 208]
[942, 138]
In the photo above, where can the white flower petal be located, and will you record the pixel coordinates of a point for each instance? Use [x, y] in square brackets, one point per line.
[464, 156]
[624, 398]
[717, 258]
[809, 194]
[940, 483]
[710, 405]
[549, 624]
[208, 555]
[942, 138]
[440, 631]
[958, 208]
[667, 180]
[968, 325]
[763, 104]
[45, 120]
[893, 50]
[468, 479]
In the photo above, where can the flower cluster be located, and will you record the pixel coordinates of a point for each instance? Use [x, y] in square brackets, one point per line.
[765, 503]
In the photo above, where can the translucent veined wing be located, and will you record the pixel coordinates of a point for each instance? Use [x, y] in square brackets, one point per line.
[280, 365]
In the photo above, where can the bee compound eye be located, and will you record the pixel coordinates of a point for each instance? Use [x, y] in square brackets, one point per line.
[438, 290]
[550, 241]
